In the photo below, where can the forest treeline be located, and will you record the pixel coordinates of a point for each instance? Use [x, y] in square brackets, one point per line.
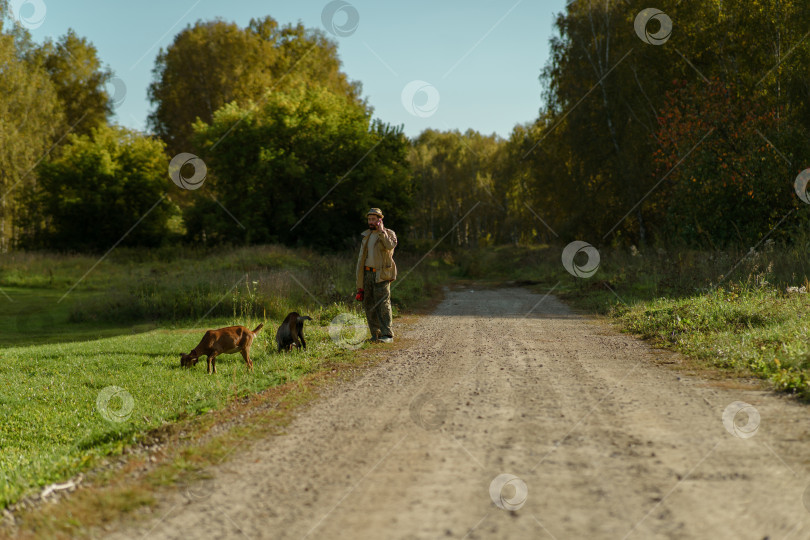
[645, 136]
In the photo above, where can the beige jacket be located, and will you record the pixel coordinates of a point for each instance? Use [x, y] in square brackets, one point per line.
[386, 242]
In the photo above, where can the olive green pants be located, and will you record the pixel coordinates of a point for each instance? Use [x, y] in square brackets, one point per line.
[377, 304]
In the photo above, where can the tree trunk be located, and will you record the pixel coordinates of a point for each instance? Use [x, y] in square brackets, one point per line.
[642, 231]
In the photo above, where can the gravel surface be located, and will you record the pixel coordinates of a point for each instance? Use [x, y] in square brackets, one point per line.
[601, 437]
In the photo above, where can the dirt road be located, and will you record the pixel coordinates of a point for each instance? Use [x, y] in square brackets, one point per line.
[602, 438]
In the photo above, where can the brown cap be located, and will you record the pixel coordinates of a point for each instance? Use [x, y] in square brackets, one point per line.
[375, 211]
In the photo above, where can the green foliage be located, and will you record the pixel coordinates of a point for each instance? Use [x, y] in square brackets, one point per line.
[96, 190]
[735, 185]
[78, 78]
[214, 63]
[48, 91]
[304, 155]
[29, 117]
[453, 173]
[614, 156]
[618, 119]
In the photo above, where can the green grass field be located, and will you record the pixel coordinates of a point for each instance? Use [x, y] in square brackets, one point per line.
[85, 374]
[55, 396]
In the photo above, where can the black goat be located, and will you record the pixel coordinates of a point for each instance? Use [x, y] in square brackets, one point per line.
[291, 331]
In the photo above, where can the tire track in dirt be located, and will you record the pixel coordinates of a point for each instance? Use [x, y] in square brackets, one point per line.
[609, 442]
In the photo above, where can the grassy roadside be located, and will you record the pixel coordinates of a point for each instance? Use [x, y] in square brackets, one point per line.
[177, 453]
[741, 312]
[71, 404]
[764, 331]
[114, 344]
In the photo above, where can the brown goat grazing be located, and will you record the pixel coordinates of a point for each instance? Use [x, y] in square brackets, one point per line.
[291, 331]
[227, 340]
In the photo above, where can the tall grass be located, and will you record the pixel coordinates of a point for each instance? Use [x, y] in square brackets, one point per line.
[183, 283]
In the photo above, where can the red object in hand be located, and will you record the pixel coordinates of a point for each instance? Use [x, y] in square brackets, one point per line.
[359, 295]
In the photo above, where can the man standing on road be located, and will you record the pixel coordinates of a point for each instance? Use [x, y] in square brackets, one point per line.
[375, 272]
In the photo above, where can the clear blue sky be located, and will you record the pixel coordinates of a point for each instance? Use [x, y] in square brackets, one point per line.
[482, 57]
